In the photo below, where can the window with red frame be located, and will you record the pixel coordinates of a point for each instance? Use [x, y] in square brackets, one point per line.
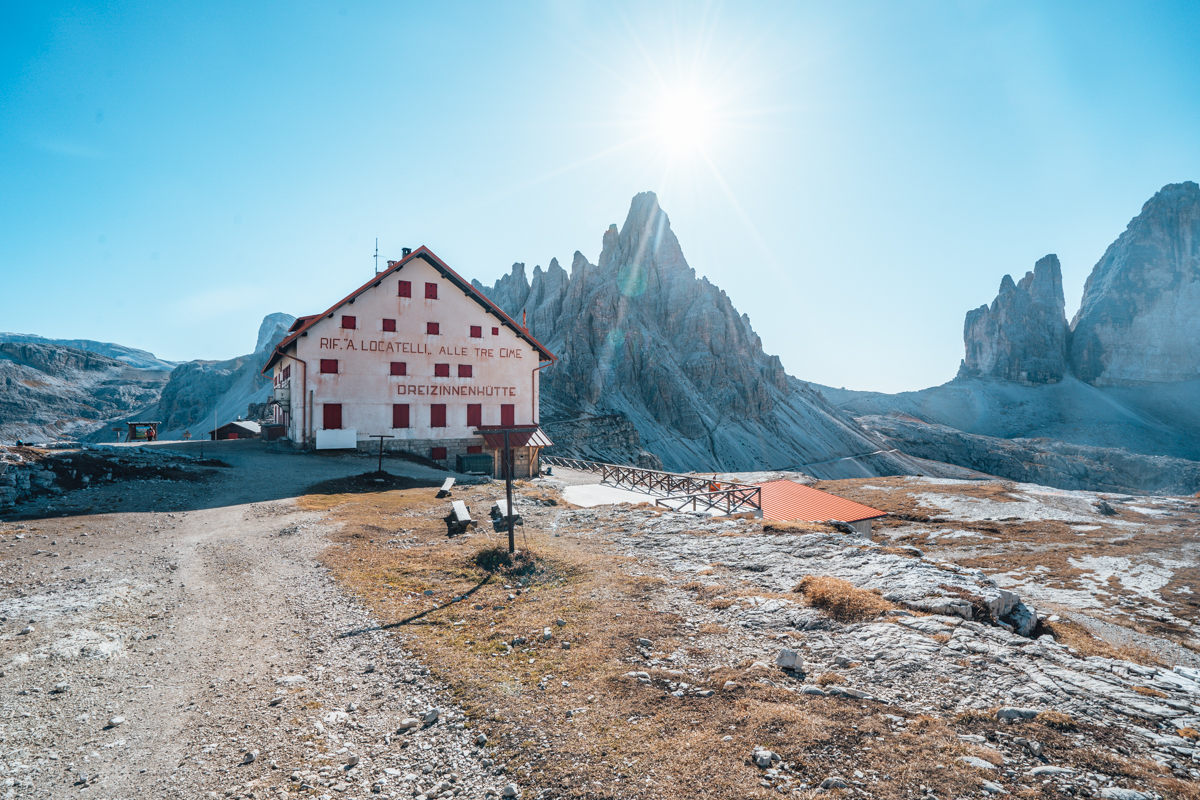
[399, 367]
[349, 323]
[495, 331]
[400, 415]
[464, 370]
[441, 370]
[507, 415]
[476, 331]
[433, 328]
[475, 448]
[287, 372]
[437, 453]
[431, 291]
[329, 366]
[437, 415]
[405, 288]
[474, 415]
[389, 325]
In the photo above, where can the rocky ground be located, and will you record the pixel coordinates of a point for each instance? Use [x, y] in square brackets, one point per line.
[214, 636]
[189, 645]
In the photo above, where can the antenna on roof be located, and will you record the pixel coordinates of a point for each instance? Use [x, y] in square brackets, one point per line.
[376, 255]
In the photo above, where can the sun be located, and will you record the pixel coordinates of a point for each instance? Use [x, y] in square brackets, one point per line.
[684, 122]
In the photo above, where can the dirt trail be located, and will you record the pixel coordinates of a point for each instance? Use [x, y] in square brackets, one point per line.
[185, 614]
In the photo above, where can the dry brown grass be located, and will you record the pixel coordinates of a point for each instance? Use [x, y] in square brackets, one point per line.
[614, 749]
[973, 716]
[829, 678]
[778, 526]
[1057, 720]
[1076, 636]
[1147, 691]
[1189, 733]
[841, 599]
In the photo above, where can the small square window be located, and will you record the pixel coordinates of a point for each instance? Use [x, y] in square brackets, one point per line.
[495, 331]
[399, 367]
[474, 448]
[437, 453]
[406, 288]
[433, 328]
[441, 370]
[329, 366]
[349, 323]
[464, 370]
[431, 291]
[476, 331]
[389, 325]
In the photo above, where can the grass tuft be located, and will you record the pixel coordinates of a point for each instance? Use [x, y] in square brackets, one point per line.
[841, 599]
[1057, 720]
[498, 559]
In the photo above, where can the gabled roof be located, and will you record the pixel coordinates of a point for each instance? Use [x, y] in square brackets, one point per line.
[790, 501]
[302, 324]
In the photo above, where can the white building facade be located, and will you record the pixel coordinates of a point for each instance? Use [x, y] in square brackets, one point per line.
[418, 354]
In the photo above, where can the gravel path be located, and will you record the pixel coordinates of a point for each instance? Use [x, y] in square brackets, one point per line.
[152, 652]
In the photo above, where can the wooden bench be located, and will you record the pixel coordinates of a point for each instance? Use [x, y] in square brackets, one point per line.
[500, 516]
[445, 490]
[459, 519]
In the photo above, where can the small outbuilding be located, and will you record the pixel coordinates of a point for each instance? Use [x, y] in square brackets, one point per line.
[142, 432]
[793, 502]
[238, 429]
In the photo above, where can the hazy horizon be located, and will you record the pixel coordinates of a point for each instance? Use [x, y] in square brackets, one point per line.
[856, 178]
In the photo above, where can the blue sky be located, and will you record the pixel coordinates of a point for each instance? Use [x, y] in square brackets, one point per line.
[864, 173]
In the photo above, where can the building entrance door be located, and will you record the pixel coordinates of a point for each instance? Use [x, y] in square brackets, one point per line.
[332, 416]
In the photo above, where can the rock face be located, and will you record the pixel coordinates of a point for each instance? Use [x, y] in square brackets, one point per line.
[1022, 336]
[640, 336]
[204, 394]
[130, 356]
[1047, 462]
[48, 391]
[1140, 316]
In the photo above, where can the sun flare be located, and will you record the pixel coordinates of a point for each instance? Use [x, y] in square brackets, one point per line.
[684, 122]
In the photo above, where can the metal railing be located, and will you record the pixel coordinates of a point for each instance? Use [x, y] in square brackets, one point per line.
[702, 494]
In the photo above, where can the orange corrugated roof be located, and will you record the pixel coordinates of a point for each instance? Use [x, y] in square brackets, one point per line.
[790, 501]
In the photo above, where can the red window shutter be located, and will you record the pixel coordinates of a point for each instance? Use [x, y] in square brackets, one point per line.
[507, 415]
[476, 331]
[464, 370]
[441, 370]
[331, 416]
[431, 291]
[389, 325]
[437, 453]
[433, 328]
[329, 366]
[406, 288]
[399, 367]
[475, 448]
[400, 415]
[474, 415]
[349, 323]
[495, 331]
[437, 415]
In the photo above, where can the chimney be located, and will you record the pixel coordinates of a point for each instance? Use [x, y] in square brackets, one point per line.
[405, 252]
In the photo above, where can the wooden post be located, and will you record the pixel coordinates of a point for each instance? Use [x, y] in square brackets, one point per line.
[380, 437]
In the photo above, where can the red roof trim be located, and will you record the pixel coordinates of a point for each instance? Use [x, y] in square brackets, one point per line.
[302, 324]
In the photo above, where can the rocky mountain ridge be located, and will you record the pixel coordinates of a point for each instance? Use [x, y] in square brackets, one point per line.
[1138, 322]
[639, 335]
[49, 391]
